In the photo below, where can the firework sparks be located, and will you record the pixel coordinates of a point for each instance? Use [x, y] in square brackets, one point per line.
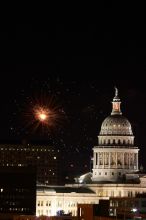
[46, 115]
[43, 116]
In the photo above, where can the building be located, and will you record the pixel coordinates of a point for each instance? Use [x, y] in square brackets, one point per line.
[44, 158]
[17, 191]
[127, 207]
[116, 155]
[87, 194]
[51, 199]
[115, 170]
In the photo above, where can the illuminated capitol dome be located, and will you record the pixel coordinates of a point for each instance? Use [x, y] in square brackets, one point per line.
[115, 155]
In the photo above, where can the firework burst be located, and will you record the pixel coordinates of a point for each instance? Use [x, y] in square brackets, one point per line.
[44, 114]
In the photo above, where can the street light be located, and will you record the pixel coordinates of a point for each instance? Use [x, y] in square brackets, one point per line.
[134, 210]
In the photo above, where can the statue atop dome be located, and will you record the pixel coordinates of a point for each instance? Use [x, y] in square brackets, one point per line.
[116, 92]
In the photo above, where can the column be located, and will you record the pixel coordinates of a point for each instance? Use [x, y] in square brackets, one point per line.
[109, 160]
[133, 160]
[123, 166]
[126, 162]
[137, 161]
[116, 159]
[98, 160]
[129, 160]
[103, 159]
[94, 162]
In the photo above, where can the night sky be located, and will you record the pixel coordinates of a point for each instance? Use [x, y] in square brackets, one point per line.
[77, 67]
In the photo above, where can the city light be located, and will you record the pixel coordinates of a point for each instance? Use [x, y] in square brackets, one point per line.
[134, 210]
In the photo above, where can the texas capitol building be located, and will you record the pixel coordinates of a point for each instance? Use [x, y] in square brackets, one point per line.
[115, 170]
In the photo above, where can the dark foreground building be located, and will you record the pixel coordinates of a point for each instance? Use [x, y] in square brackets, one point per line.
[17, 190]
[45, 158]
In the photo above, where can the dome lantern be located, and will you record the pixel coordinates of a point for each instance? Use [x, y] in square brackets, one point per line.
[116, 104]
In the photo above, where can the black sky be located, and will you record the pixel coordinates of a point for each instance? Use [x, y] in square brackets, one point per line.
[78, 65]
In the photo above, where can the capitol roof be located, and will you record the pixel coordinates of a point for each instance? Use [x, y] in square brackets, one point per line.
[116, 125]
